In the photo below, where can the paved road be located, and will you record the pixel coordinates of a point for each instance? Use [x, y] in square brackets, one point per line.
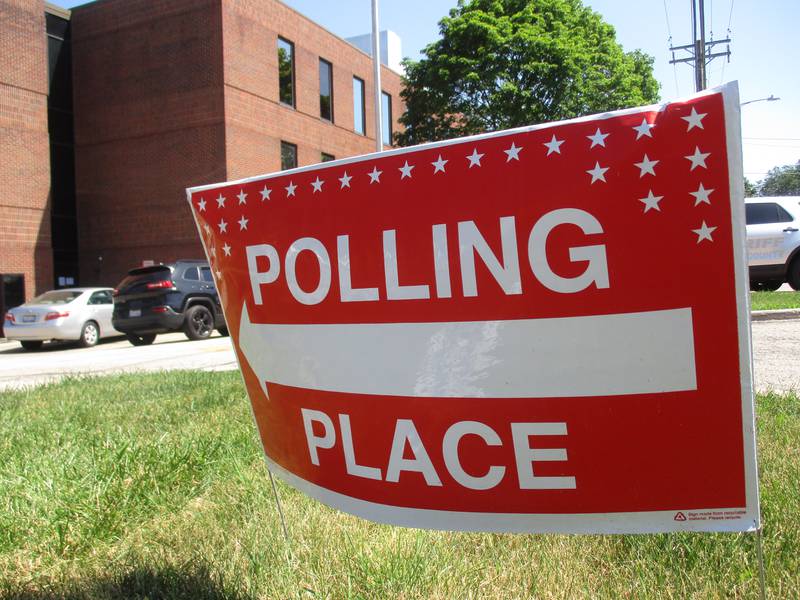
[170, 351]
[776, 349]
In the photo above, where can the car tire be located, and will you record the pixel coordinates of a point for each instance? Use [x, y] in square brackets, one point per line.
[223, 331]
[199, 322]
[765, 286]
[793, 275]
[32, 344]
[90, 335]
[141, 340]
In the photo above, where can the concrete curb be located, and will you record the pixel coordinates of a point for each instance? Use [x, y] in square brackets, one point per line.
[775, 315]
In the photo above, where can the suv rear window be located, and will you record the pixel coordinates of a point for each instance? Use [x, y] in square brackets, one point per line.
[191, 274]
[766, 212]
[205, 272]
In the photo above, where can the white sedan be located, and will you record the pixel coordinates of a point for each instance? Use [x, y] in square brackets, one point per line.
[82, 314]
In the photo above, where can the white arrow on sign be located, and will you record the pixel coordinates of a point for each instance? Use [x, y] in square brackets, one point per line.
[603, 355]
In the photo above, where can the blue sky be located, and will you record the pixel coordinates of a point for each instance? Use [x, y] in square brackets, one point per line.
[765, 53]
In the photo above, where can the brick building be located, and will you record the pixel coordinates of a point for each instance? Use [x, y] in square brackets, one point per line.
[165, 94]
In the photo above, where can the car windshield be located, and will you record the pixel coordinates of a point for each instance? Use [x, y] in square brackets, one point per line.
[56, 297]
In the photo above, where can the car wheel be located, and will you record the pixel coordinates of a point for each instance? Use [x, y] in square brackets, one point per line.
[793, 276]
[765, 286]
[141, 340]
[90, 334]
[223, 331]
[32, 345]
[199, 322]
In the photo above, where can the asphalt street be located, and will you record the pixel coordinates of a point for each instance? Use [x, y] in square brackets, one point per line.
[776, 346]
[19, 368]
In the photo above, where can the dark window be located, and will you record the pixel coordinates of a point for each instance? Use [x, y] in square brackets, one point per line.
[103, 297]
[12, 293]
[386, 118]
[288, 156]
[327, 157]
[205, 273]
[191, 274]
[326, 90]
[286, 71]
[766, 212]
[359, 110]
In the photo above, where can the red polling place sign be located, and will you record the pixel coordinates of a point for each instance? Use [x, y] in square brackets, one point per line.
[541, 329]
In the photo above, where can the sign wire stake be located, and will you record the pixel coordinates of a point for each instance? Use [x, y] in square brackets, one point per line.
[761, 578]
[280, 511]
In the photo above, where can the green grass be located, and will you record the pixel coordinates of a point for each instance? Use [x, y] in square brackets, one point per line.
[774, 300]
[155, 487]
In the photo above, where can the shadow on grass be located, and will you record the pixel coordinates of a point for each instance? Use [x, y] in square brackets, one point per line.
[139, 583]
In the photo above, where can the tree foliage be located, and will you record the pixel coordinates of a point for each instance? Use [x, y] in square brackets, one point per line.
[781, 181]
[750, 188]
[506, 63]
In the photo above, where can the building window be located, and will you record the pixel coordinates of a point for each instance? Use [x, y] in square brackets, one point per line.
[327, 157]
[288, 156]
[326, 90]
[286, 71]
[386, 118]
[359, 110]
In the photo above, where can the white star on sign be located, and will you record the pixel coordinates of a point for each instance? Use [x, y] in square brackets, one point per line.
[219, 274]
[201, 205]
[553, 145]
[243, 223]
[265, 193]
[698, 158]
[701, 195]
[405, 170]
[651, 201]
[598, 138]
[345, 179]
[474, 158]
[226, 249]
[207, 227]
[598, 172]
[694, 120]
[221, 201]
[223, 226]
[375, 176]
[439, 165]
[704, 233]
[290, 189]
[213, 251]
[317, 184]
[644, 129]
[242, 197]
[646, 166]
[512, 152]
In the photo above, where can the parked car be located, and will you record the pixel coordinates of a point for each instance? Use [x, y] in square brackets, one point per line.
[82, 314]
[773, 242]
[179, 296]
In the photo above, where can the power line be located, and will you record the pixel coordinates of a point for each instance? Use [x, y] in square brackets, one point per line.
[728, 34]
[700, 52]
[788, 139]
[674, 66]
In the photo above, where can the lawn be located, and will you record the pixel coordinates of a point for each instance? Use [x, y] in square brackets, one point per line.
[155, 487]
[774, 300]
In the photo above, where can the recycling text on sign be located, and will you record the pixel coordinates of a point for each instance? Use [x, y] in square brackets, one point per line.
[542, 329]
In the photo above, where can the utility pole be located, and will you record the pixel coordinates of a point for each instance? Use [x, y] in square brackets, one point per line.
[700, 51]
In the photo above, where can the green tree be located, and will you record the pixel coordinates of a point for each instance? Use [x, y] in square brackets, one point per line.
[781, 181]
[750, 188]
[505, 63]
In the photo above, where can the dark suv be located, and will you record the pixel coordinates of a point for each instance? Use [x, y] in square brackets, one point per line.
[172, 297]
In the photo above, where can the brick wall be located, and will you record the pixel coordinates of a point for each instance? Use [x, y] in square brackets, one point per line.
[176, 93]
[25, 243]
[256, 121]
[148, 124]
